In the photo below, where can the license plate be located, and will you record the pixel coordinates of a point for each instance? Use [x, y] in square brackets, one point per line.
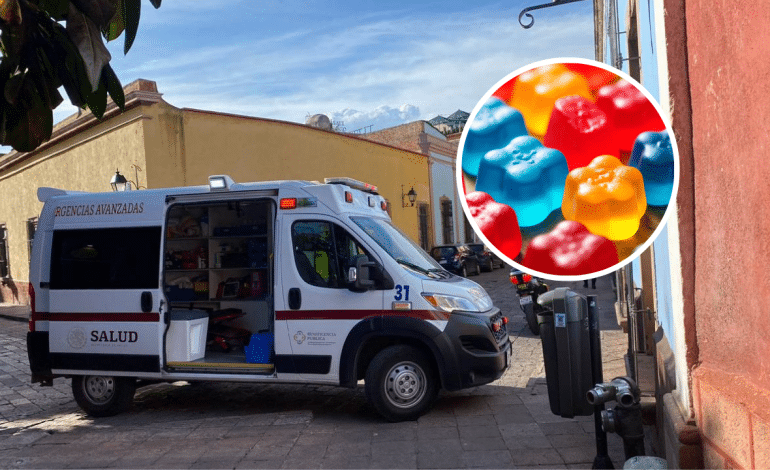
[525, 299]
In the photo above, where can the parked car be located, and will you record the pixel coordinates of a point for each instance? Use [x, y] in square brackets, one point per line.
[459, 259]
[487, 260]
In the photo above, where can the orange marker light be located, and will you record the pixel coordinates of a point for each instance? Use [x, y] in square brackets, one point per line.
[289, 203]
[348, 196]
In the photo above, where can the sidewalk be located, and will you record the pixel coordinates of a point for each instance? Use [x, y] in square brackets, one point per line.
[14, 312]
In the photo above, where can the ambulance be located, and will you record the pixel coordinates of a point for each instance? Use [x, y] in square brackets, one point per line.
[271, 282]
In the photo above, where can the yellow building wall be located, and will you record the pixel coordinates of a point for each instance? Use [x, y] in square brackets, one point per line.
[179, 147]
[86, 162]
[250, 149]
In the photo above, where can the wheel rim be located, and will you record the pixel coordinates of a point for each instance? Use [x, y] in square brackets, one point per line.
[405, 384]
[99, 389]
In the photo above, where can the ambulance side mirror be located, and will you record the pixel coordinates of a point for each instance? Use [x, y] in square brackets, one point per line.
[359, 276]
[368, 275]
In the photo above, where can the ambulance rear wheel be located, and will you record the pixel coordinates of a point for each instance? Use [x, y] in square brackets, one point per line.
[100, 395]
[401, 383]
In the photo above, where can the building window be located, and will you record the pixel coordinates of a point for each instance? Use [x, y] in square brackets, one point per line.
[447, 224]
[31, 229]
[113, 258]
[423, 220]
[5, 270]
[469, 234]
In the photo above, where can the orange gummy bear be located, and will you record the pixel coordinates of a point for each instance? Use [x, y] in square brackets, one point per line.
[606, 196]
[536, 91]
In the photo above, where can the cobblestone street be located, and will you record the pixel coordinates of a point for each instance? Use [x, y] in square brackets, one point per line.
[230, 425]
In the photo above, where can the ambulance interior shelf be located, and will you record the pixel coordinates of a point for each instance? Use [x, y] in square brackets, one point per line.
[216, 261]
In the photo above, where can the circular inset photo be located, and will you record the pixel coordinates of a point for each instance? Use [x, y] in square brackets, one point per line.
[567, 168]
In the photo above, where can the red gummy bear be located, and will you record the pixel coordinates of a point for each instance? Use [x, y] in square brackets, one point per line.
[579, 130]
[504, 92]
[630, 113]
[570, 250]
[497, 222]
[597, 77]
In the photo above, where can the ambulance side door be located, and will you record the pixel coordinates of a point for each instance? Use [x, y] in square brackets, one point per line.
[318, 309]
[105, 299]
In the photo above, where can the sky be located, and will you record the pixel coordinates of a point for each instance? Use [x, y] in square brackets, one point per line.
[361, 63]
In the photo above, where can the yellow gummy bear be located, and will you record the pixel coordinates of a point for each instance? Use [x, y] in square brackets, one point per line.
[606, 196]
[536, 91]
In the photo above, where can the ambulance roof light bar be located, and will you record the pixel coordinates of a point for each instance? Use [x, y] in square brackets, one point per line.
[220, 183]
[354, 184]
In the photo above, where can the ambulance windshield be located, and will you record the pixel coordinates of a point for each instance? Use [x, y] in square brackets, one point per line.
[398, 245]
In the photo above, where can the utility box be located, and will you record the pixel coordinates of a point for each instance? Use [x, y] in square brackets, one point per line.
[566, 351]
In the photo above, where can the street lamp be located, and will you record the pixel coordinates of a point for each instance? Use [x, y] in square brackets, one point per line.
[118, 182]
[411, 195]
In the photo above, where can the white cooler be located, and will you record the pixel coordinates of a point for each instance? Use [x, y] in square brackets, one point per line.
[186, 336]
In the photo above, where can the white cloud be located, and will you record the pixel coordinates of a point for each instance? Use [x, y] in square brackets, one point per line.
[356, 71]
[378, 118]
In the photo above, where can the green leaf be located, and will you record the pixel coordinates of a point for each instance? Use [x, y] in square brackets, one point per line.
[56, 8]
[70, 68]
[97, 100]
[13, 87]
[88, 40]
[114, 87]
[116, 26]
[99, 11]
[155, 3]
[131, 13]
[10, 11]
[29, 125]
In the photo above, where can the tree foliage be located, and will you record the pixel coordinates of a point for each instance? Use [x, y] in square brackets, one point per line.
[40, 55]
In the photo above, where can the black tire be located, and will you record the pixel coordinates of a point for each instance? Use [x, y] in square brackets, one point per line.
[401, 383]
[531, 316]
[464, 271]
[101, 396]
[478, 269]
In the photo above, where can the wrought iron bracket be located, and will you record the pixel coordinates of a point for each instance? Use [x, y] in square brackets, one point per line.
[525, 12]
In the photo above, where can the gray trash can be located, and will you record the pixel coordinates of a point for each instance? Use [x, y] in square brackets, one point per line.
[566, 351]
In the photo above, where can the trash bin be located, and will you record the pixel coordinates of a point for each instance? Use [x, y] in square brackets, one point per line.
[566, 351]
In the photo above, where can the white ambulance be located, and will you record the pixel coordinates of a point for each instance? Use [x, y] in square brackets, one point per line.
[286, 281]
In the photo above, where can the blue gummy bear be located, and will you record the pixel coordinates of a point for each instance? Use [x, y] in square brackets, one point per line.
[525, 175]
[493, 127]
[654, 157]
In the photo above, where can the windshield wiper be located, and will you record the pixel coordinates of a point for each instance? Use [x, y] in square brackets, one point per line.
[419, 269]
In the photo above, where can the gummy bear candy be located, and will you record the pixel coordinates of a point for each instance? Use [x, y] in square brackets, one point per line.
[493, 127]
[570, 250]
[504, 92]
[654, 157]
[537, 90]
[597, 77]
[629, 111]
[497, 222]
[526, 176]
[580, 130]
[606, 196]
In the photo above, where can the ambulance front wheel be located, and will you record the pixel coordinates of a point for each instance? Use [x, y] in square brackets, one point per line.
[101, 396]
[401, 383]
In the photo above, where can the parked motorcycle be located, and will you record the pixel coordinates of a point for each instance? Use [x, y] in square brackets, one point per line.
[529, 288]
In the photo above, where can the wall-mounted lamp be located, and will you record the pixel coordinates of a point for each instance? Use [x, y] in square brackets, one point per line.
[119, 182]
[411, 195]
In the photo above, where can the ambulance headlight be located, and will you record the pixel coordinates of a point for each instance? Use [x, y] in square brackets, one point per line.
[450, 303]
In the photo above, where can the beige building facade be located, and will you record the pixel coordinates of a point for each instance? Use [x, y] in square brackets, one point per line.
[154, 145]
